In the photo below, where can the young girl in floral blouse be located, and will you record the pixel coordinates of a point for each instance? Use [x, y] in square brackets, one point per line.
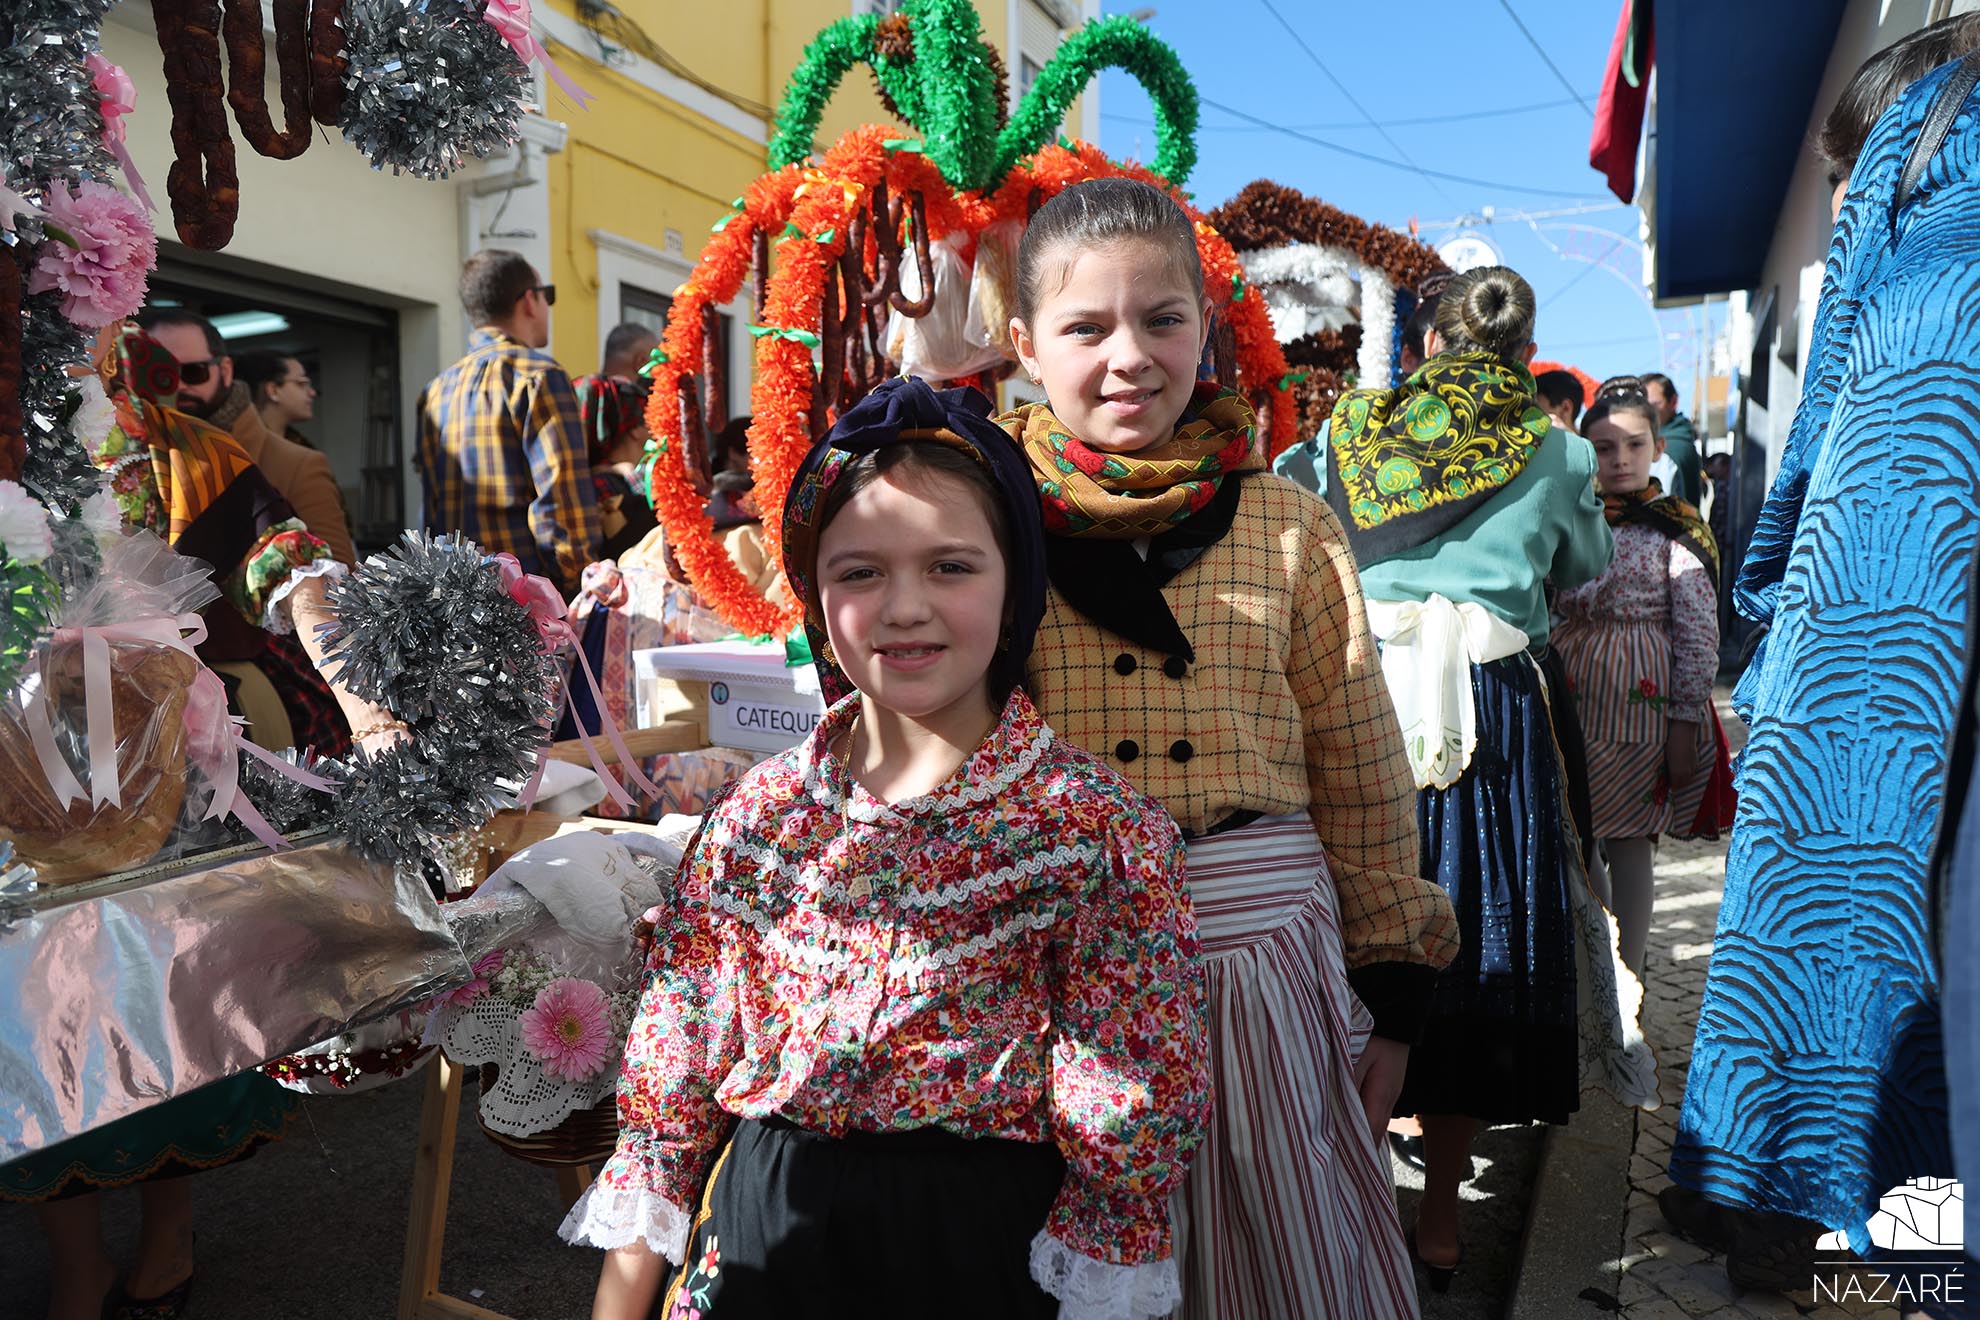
[925, 1029]
[1206, 636]
[1641, 645]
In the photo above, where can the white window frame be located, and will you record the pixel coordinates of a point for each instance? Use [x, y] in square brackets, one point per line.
[623, 260]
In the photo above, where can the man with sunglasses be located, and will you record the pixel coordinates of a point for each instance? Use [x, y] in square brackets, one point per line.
[502, 451]
[208, 390]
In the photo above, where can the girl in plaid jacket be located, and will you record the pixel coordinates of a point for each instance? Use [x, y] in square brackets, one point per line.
[1205, 636]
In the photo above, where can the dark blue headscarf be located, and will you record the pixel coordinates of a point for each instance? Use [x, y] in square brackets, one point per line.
[907, 409]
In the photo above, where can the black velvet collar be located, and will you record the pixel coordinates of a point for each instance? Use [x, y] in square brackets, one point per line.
[1111, 585]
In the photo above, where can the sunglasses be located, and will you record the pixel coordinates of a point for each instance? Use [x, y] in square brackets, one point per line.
[549, 292]
[199, 372]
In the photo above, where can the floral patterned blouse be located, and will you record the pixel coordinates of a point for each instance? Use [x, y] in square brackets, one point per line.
[1657, 587]
[1013, 955]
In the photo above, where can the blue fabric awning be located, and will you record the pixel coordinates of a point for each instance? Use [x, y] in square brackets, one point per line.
[1736, 86]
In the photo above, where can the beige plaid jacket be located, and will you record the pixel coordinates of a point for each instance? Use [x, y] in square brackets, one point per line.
[1284, 710]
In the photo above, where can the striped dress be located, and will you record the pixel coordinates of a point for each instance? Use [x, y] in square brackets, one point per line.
[1641, 647]
[1288, 1172]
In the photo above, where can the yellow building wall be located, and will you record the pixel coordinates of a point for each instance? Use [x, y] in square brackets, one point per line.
[638, 164]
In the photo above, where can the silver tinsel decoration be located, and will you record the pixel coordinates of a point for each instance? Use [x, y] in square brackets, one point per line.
[50, 128]
[286, 805]
[430, 83]
[426, 630]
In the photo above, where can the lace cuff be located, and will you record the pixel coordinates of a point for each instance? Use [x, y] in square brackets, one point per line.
[1090, 1289]
[613, 1217]
[275, 615]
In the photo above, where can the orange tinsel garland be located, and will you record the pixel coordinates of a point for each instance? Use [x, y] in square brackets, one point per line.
[808, 213]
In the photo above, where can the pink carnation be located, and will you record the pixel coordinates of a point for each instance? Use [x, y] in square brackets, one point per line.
[102, 278]
[569, 1028]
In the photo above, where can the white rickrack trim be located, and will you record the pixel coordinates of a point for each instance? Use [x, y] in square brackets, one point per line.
[810, 876]
[901, 967]
[274, 618]
[912, 969]
[614, 1217]
[963, 795]
[767, 930]
[1090, 1289]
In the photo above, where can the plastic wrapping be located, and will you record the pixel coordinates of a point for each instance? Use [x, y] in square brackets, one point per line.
[945, 344]
[993, 290]
[96, 734]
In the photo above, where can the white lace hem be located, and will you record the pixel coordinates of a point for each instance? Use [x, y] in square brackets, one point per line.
[614, 1217]
[274, 616]
[1090, 1289]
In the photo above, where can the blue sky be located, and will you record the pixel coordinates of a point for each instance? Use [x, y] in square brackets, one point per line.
[1502, 118]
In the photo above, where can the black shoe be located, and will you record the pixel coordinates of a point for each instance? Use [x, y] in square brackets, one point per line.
[1408, 1149]
[1773, 1253]
[168, 1305]
[1437, 1276]
[1698, 1218]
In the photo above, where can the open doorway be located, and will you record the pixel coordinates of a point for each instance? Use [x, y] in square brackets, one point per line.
[351, 352]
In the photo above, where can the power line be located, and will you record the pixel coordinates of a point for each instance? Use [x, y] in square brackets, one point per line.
[1342, 88]
[1582, 274]
[1374, 159]
[1541, 51]
[1419, 121]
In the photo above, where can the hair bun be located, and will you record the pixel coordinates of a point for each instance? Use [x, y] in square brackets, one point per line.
[1489, 309]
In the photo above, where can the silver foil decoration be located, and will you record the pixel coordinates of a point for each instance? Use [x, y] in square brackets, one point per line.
[428, 84]
[117, 994]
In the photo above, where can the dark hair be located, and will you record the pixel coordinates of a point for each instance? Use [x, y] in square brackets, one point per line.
[1418, 325]
[153, 317]
[1561, 387]
[619, 342]
[261, 366]
[492, 282]
[730, 440]
[1487, 310]
[1099, 212]
[1621, 394]
[1657, 378]
[1881, 80]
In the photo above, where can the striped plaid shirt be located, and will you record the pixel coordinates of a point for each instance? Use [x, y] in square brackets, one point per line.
[503, 460]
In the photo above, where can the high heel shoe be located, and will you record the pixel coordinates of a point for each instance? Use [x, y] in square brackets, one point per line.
[1408, 1149]
[168, 1305]
[1437, 1276]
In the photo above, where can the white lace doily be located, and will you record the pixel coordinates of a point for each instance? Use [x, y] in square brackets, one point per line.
[1090, 1289]
[525, 1100]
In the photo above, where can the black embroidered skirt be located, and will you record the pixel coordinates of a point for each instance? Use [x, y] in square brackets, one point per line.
[1502, 1042]
[796, 1225]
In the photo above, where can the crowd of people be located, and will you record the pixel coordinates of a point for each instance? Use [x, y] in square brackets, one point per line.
[1183, 835]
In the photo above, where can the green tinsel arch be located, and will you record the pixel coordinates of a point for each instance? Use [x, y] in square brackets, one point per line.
[948, 91]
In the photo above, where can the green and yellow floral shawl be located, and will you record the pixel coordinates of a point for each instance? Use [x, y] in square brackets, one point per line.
[1408, 464]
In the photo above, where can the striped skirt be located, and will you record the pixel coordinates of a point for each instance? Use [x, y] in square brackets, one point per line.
[1288, 1213]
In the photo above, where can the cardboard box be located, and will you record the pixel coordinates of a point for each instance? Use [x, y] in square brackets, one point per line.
[742, 691]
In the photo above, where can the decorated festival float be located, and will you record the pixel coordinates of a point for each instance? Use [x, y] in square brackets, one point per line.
[1339, 290]
[340, 905]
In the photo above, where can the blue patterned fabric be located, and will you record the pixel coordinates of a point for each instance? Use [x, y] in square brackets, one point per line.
[1817, 1078]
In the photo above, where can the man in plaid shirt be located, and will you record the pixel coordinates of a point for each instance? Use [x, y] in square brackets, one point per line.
[501, 448]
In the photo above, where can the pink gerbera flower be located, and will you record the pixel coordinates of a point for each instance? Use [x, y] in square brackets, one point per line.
[569, 1028]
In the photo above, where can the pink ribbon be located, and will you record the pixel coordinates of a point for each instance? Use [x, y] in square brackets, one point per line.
[116, 96]
[511, 19]
[213, 736]
[546, 609]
